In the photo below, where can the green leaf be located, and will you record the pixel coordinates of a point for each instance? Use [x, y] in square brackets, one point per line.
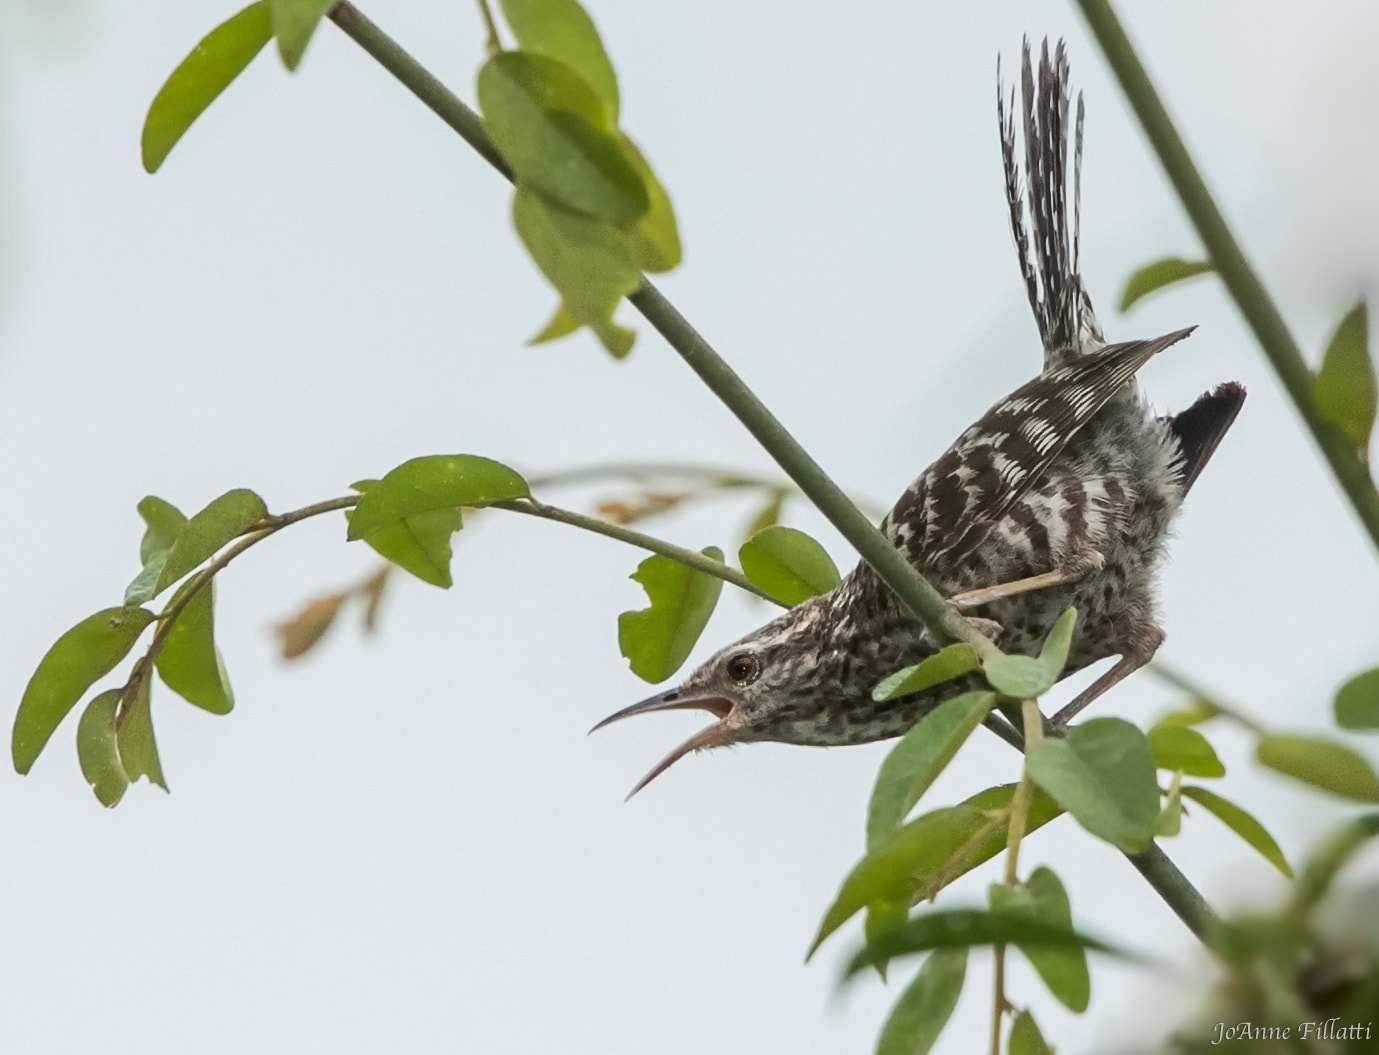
[190, 664]
[1338, 848]
[420, 544]
[294, 22]
[1322, 763]
[1344, 388]
[925, 1007]
[1158, 275]
[787, 564]
[138, 749]
[164, 523]
[1028, 677]
[98, 750]
[1025, 1038]
[558, 137]
[1063, 970]
[1242, 823]
[562, 324]
[904, 868]
[563, 30]
[589, 263]
[882, 917]
[944, 665]
[220, 57]
[1357, 702]
[1170, 820]
[1054, 652]
[84, 653]
[965, 928]
[1178, 747]
[655, 241]
[918, 758]
[1103, 774]
[431, 484]
[225, 518]
[1020, 677]
[768, 515]
[659, 638]
[1199, 709]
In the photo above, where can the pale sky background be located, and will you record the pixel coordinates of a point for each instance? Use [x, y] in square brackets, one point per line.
[407, 843]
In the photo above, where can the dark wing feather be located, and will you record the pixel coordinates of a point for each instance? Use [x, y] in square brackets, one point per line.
[995, 463]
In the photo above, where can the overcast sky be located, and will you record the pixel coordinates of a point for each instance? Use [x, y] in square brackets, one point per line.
[407, 842]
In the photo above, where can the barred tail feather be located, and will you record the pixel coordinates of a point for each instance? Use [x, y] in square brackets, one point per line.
[1062, 310]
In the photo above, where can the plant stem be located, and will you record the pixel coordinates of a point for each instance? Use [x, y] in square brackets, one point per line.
[1177, 892]
[688, 557]
[1241, 281]
[437, 98]
[888, 562]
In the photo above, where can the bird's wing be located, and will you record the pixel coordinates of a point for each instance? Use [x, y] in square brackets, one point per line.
[955, 502]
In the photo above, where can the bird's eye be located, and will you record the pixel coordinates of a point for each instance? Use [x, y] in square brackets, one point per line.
[743, 668]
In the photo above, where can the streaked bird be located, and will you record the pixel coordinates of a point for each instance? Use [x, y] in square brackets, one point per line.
[1061, 495]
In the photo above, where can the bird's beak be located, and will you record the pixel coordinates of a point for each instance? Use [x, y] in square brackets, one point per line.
[716, 735]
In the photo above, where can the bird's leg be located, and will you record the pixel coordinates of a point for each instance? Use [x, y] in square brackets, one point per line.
[1070, 571]
[1147, 643]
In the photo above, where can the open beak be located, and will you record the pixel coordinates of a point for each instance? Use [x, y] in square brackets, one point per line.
[715, 735]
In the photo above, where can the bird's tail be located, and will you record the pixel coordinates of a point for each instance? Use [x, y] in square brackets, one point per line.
[1053, 281]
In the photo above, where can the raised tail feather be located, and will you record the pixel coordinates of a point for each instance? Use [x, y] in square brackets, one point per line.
[1053, 281]
[1200, 427]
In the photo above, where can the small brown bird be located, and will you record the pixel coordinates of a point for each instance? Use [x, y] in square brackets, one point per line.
[1061, 495]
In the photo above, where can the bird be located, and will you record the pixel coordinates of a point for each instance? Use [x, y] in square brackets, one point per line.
[1060, 496]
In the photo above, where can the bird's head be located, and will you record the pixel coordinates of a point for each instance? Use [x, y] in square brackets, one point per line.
[758, 688]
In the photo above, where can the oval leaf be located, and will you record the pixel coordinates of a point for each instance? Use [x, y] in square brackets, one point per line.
[1335, 852]
[294, 22]
[787, 564]
[225, 518]
[1322, 763]
[564, 31]
[419, 544]
[1103, 774]
[1020, 677]
[903, 869]
[138, 749]
[654, 243]
[944, 665]
[1158, 275]
[431, 483]
[1357, 702]
[190, 664]
[86, 652]
[925, 1007]
[201, 77]
[1054, 651]
[558, 137]
[98, 751]
[164, 522]
[918, 758]
[1242, 823]
[965, 928]
[658, 639]
[1043, 898]
[1344, 389]
[1179, 747]
[591, 264]
[1025, 1038]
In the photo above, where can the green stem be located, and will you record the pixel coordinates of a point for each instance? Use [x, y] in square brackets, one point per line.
[1177, 892]
[690, 558]
[888, 562]
[1241, 281]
